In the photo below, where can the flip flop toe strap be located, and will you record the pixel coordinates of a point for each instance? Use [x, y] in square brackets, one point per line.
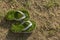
[21, 17]
[30, 25]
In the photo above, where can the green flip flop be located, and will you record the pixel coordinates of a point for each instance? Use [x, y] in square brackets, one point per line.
[25, 27]
[17, 15]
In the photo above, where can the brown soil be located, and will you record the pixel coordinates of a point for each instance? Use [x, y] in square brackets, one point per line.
[47, 20]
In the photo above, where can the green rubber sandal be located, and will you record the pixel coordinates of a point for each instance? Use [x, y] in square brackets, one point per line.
[17, 15]
[24, 27]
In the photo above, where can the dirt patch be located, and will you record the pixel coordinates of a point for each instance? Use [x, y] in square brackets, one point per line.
[47, 20]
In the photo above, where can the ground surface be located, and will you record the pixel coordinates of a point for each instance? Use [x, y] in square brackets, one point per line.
[47, 20]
